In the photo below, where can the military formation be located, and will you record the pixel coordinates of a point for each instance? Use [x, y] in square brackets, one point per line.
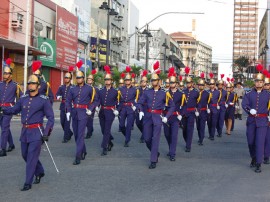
[178, 105]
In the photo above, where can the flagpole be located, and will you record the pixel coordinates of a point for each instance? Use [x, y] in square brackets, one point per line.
[26, 46]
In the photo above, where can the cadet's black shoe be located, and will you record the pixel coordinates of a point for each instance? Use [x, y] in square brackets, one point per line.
[38, 178]
[77, 162]
[172, 158]
[211, 138]
[110, 146]
[104, 152]
[10, 148]
[219, 135]
[126, 144]
[253, 163]
[3, 153]
[64, 141]
[83, 155]
[200, 143]
[187, 150]
[88, 136]
[26, 187]
[258, 168]
[153, 165]
[266, 161]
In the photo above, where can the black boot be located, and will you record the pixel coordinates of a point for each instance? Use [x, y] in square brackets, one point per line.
[83, 155]
[76, 161]
[104, 152]
[253, 163]
[26, 187]
[258, 168]
[153, 165]
[3, 153]
[110, 146]
[126, 144]
[38, 178]
[88, 135]
[10, 148]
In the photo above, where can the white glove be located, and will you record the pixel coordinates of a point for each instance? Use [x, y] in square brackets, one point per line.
[68, 116]
[97, 109]
[253, 111]
[134, 108]
[237, 107]
[208, 111]
[179, 117]
[164, 120]
[115, 112]
[226, 105]
[141, 114]
[197, 113]
[269, 118]
[231, 103]
[58, 97]
[88, 112]
[218, 107]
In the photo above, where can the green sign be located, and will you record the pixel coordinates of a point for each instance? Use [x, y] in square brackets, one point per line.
[47, 46]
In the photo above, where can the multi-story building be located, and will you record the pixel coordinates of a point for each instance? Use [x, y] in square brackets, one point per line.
[196, 54]
[245, 29]
[264, 38]
[215, 69]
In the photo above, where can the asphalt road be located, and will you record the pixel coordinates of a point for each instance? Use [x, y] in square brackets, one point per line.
[217, 171]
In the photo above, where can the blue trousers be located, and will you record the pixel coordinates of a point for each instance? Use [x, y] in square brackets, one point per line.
[79, 127]
[6, 136]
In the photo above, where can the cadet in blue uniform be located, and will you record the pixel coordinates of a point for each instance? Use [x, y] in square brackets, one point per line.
[9, 91]
[120, 85]
[189, 110]
[202, 109]
[172, 126]
[230, 107]
[33, 108]
[222, 110]
[80, 98]
[90, 121]
[127, 108]
[215, 97]
[109, 99]
[156, 100]
[256, 104]
[142, 89]
[267, 139]
[61, 94]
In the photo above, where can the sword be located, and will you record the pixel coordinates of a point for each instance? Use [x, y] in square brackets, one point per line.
[163, 122]
[49, 152]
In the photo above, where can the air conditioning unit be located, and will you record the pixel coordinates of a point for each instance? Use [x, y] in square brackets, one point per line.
[15, 24]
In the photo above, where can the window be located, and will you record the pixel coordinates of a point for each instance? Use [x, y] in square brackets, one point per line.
[48, 32]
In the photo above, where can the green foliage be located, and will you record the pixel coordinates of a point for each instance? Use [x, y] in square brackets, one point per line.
[116, 75]
[249, 83]
[136, 70]
[98, 79]
[242, 62]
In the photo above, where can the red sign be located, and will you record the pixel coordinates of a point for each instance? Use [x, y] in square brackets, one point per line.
[66, 38]
[4, 19]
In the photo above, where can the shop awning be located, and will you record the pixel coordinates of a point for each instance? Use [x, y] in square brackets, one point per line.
[16, 46]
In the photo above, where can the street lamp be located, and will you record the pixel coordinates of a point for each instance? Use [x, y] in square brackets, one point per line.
[165, 48]
[148, 34]
[106, 6]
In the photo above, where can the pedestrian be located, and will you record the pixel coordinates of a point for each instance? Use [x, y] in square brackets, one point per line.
[61, 95]
[181, 83]
[239, 90]
[109, 99]
[33, 107]
[172, 126]
[9, 92]
[189, 110]
[80, 103]
[202, 109]
[156, 100]
[256, 104]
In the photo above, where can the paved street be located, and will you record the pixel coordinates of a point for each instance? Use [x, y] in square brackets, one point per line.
[217, 171]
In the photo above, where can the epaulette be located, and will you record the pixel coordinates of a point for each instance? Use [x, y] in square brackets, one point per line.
[44, 97]
[25, 95]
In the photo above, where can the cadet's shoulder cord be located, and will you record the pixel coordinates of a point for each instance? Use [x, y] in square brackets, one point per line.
[48, 87]
[168, 97]
[228, 94]
[210, 97]
[93, 94]
[183, 99]
[119, 96]
[137, 94]
[200, 96]
[220, 95]
[19, 89]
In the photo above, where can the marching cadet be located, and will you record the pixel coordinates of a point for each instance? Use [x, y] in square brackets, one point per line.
[222, 108]
[84, 100]
[44, 88]
[61, 94]
[189, 110]
[267, 139]
[9, 91]
[202, 109]
[142, 89]
[231, 100]
[181, 83]
[256, 104]
[109, 98]
[127, 107]
[90, 121]
[156, 99]
[239, 90]
[33, 108]
[214, 107]
[172, 126]
[121, 84]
